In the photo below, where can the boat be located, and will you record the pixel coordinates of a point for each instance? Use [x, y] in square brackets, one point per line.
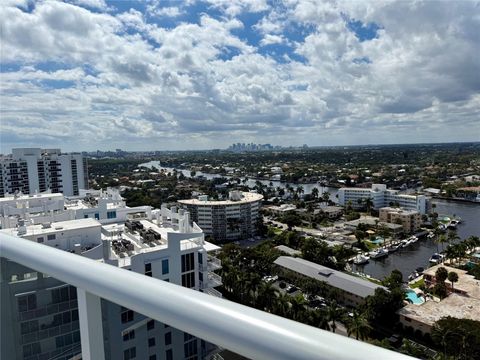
[378, 253]
[436, 258]
[393, 248]
[413, 239]
[453, 224]
[431, 235]
[442, 227]
[360, 259]
[406, 243]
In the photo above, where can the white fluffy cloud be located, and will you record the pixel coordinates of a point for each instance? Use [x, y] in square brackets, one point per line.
[82, 75]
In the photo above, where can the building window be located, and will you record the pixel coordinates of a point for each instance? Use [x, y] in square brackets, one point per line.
[168, 338]
[129, 335]
[190, 349]
[169, 354]
[200, 258]
[130, 353]
[40, 239]
[126, 315]
[148, 269]
[111, 214]
[31, 349]
[188, 262]
[188, 280]
[151, 342]
[152, 357]
[85, 216]
[97, 216]
[165, 266]
[51, 237]
[150, 324]
[27, 302]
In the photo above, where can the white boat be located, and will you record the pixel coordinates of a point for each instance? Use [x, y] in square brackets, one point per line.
[431, 235]
[413, 239]
[378, 253]
[453, 224]
[393, 248]
[360, 259]
[406, 243]
[436, 258]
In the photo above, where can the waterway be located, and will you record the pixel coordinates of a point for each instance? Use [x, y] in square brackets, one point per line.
[417, 255]
[406, 260]
[251, 183]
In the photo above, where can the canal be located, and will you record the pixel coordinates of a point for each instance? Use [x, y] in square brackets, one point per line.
[417, 255]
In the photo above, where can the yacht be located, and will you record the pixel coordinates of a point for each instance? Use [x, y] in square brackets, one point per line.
[436, 258]
[378, 253]
[413, 239]
[431, 235]
[453, 224]
[360, 259]
[406, 243]
[393, 248]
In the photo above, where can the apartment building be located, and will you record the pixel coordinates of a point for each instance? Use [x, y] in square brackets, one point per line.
[35, 170]
[411, 220]
[382, 197]
[106, 206]
[226, 220]
[40, 314]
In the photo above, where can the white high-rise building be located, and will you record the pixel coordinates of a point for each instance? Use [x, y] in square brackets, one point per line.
[40, 314]
[35, 170]
[382, 197]
[226, 220]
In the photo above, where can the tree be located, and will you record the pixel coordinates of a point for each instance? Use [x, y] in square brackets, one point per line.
[394, 280]
[326, 197]
[314, 193]
[334, 313]
[441, 274]
[459, 338]
[381, 307]
[358, 325]
[453, 278]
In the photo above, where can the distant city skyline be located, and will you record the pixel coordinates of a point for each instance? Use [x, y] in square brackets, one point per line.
[83, 75]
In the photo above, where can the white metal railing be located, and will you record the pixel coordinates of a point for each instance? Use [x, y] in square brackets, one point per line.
[246, 331]
[213, 263]
[214, 280]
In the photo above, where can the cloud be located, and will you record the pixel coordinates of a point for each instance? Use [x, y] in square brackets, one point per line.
[93, 76]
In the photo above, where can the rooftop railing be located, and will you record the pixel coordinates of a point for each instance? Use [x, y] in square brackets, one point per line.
[246, 331]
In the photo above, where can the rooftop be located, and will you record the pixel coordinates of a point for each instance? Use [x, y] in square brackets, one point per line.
[247, 197]
[54, 227]
[337, 279]
[399, 211]
[21, 196]
[455, 305]
[466, 283]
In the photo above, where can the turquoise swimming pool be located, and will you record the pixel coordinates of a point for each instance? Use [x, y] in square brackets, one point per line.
[412, 296]
[378, 240]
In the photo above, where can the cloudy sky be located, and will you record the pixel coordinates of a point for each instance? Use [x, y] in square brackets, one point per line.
[160, 75]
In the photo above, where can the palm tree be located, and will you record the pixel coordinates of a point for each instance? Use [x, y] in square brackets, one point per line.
[315, 192]
[326, 197]
[334, 313]
[281, 305]
[368, 205]
[358, 325]
[299, 190]
[453, 278]
[266, 296]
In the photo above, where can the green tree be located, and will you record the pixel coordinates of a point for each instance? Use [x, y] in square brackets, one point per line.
[314, 193]
[334, 313]
[441, 274]
[358, 325]
[453, 278]
[459, 338]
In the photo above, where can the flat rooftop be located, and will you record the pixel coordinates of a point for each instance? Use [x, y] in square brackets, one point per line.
[454, 305]
[26, 197]
[334, 278]
[246, 198]
[54, 227]
[466, 283]
[399, 211]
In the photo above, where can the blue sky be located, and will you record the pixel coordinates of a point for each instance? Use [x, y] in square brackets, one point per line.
[145, 75]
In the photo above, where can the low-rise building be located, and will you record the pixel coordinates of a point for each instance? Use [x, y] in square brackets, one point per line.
[331, 212]
[464, 302]
[411, 220]
[352, 290]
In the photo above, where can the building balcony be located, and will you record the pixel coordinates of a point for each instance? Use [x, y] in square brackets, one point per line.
[213, 292]
[214, 280]
[246, 331]
[213, 263]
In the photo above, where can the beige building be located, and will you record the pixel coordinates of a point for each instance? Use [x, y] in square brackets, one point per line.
[463, 303]
[410, 220]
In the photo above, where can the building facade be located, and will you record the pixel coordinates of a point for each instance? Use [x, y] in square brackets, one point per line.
[227, 220]
[40, 314]
[34, 170]
[382, 197]
[411, 220]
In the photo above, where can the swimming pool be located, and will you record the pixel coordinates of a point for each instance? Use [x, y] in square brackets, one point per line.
[378, 240]
[412, 296]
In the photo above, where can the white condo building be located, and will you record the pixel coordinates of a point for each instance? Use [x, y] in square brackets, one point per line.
[106, 206]
[382, 197]
[40, 316]
[226, 220]
[35, 170]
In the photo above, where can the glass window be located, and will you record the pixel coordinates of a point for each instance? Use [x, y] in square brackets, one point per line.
[51, 237]
[169, 354]
[151, 342]
[188, 262]
[168, 338]
[40, 239]
[130, 353]
[126, 315]
[27, 302]
[129, 335]
[148, 269]
[165, 266]
[111, 214]
[152, 357]
[151, 325]
[188, 279]
[97, 216]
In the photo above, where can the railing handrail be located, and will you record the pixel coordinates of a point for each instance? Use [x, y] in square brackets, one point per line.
[246, 331]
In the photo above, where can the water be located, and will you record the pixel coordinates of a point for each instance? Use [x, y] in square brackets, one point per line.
[414, 298]
[417, 255]
[251, 183]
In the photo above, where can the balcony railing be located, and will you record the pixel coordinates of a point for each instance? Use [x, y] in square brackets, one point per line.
[213, 263]
[246, 331]
[214, 280]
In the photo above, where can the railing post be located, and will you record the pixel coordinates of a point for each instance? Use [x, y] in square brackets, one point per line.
[91, 330]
